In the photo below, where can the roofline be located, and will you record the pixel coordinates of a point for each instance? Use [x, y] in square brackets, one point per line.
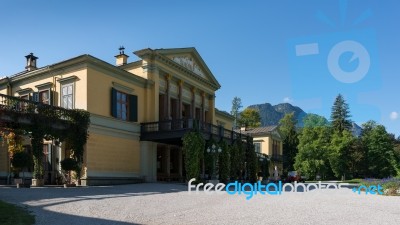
[225, 114]
[86, 58]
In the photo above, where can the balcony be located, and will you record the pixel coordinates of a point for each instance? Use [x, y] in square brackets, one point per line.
[172, 131]
[15, 112]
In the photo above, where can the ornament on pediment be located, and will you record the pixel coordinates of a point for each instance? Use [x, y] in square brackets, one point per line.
[188, 63]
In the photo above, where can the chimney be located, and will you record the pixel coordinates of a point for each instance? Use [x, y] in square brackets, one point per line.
[31, 62]
[122, 59]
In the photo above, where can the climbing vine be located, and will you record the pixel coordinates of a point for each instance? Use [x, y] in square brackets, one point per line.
[193, 147]
[46, 122]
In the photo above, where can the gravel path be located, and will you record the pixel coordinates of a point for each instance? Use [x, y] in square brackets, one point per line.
[159, 203]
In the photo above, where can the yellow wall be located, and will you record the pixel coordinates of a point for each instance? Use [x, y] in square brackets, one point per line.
[266, 144]
[228, 122]
[99, 93]
[112, 155]
[80, 85]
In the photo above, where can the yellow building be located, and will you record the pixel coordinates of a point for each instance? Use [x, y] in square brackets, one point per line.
[139, 111]
[268, 141]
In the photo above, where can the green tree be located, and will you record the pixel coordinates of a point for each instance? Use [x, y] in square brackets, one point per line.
[340, 115]
[250, 118]
[237, 159]
[287, 128]
[340, 152]
[379, 146]
[314, 120]
[235, 111]
[224, 162]
[193, 150]
[313, 156]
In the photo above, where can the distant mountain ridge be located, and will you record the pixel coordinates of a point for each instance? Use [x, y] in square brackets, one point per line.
[272, 114]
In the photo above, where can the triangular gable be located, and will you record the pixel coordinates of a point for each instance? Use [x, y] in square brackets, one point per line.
[190, 59]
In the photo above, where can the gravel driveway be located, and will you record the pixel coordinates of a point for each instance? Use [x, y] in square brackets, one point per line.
[160, 203]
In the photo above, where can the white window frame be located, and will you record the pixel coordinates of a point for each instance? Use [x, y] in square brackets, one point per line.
[62, 96]
[259, 147]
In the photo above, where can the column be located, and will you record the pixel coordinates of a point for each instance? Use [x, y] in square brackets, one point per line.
[168, 160]
[180, 162]
[167, 97]
[180, 85]
[193, 106]
[202, 116]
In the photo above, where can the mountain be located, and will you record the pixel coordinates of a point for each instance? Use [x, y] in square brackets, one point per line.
[356, 130]
[270, 115]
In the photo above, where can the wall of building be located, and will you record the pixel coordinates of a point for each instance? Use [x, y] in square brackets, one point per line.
[99, 87]
[111, 158]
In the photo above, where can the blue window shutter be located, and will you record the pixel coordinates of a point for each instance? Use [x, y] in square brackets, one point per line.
[51, 100]
[133, 108]
[36, 96]
[114, 102]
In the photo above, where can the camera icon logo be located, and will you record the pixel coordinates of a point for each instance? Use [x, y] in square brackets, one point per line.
[359, 53]
[322, 66]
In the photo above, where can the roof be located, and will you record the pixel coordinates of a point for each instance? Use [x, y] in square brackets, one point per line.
[258, 130]
[224, 113]
[73, 61]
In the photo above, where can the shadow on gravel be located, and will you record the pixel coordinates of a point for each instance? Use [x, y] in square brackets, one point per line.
[37, 199]
[66, 219]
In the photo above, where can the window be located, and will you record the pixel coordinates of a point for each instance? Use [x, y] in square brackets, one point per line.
[67, 96]
[275, 147]
[44, 96]
[123, 106]
[24, 105]
[257, 147]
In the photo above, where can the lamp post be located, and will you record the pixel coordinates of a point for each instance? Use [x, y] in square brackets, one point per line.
[214, 151]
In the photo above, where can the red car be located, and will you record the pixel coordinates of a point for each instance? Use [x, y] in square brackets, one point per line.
[294, 176]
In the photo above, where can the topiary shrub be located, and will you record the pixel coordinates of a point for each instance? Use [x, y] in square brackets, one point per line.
[69, 164]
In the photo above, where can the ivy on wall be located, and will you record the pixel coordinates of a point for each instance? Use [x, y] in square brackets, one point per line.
[193, 147]
[46, 122]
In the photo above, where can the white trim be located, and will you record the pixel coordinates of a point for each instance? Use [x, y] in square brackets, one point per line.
[123, 88]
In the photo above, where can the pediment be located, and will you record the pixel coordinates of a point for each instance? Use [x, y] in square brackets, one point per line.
[190, 59]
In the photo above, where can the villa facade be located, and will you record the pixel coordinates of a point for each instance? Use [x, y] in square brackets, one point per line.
[268, 141]
[139, 111]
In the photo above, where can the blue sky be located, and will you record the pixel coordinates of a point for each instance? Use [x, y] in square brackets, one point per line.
[250, 46]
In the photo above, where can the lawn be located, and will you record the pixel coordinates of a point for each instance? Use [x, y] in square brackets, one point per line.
[14, 215]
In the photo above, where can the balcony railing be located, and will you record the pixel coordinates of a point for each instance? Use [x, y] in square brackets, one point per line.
[160, 129]
[13, 109]
[273, 157]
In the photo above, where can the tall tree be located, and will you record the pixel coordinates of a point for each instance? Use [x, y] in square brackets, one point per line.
[313, 157]
[380, 161]
[235, 111]
[287, 128]
[314, 120]
[250, 118]
[340, 115]
[340, 152]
